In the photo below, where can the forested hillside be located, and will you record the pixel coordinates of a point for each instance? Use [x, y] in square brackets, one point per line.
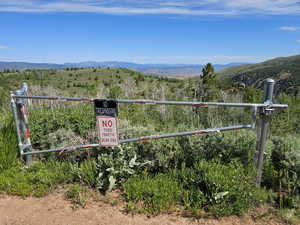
[285, 70]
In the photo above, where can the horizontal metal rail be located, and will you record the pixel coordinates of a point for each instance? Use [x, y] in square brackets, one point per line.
[145, 138]
[58, 98]
[196, 104]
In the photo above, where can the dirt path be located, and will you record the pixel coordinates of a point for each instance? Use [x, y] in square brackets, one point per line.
[55, 210]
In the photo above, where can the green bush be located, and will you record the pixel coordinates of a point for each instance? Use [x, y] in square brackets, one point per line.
[46, 124]
[220, 189]
[172, 153]
[37, 180]
[111, 168]
[163, 154]
[88, 172]
[153, 194]
[284, 170]
[225, 147]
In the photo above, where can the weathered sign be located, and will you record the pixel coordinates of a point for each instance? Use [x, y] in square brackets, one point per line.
[106, 119]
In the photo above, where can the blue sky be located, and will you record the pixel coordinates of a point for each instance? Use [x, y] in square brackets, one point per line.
[148, 31]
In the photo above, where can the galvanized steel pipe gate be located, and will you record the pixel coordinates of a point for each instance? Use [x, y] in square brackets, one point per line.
[19, 103]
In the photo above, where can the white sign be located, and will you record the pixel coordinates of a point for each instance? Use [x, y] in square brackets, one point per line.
[107, 131]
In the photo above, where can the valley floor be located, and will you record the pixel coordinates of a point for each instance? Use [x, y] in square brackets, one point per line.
[55, 210]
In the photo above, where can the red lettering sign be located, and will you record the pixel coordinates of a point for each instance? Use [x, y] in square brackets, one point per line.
[107, 131]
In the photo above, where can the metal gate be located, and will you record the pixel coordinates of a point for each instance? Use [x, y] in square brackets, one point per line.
[19, 104]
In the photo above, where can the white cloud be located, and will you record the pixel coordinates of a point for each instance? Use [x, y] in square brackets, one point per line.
[3, 47]
[122, 10]
[175, 7]
[298, 41]
[289, 28]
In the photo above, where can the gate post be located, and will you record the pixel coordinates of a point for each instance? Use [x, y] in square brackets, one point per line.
[262, 131]
[22, 120]
[16, 117]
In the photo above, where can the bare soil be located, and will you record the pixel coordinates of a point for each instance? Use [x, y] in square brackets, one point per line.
[54, 209]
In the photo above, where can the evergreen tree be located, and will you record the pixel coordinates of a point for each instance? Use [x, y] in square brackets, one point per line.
[207, 90]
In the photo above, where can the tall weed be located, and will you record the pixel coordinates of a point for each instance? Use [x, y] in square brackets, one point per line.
[284, 170]
[8, 143]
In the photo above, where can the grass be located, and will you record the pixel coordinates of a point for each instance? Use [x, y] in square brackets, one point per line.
[152, 194]
[220, 190]
[17, 179]
[291, 216]
[78, 195]
[8, 143]
[36, 180]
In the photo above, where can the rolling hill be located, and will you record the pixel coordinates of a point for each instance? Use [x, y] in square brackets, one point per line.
[285, 70]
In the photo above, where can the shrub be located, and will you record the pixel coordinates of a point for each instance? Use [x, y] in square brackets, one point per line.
[169, 154]
[114, 91]
[155, 194]
[52, 127]
[111, 168]
[220, 189]
[226, 147]
[163, 154]
[116, 166]
[285, 164]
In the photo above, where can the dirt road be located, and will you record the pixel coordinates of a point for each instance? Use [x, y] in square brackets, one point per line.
[55, 210]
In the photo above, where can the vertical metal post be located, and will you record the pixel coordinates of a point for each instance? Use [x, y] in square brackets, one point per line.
[22, 115]
[27, 130]
[262, 132]
[17, 122]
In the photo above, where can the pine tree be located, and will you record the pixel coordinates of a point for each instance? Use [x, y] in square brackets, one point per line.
[207, 83]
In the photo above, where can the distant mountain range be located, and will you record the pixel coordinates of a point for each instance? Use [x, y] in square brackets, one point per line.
[153, 69]
[285, 70]
[26, 65]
